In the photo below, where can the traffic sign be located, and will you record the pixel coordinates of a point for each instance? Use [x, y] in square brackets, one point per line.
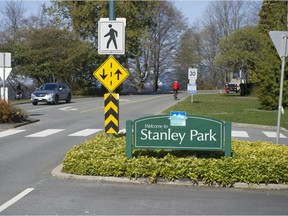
[192, 73]
[111, 36]
[5, 59]
[7, 73]
[191, 88]
[111, 74]
[278, 40]
[192, 81]
[111, 112]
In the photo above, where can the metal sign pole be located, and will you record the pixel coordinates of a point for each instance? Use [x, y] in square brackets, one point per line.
[112, 16]
[112, 13]
[284, 40]
[4, 97]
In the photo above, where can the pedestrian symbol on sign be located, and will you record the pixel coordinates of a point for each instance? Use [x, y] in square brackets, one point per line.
[113, 34]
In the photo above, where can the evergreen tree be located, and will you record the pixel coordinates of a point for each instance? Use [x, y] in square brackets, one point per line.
[268, 67]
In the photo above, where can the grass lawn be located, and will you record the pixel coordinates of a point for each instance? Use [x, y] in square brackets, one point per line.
[232, 107]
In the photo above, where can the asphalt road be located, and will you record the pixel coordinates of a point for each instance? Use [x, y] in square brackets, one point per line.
[29, 153]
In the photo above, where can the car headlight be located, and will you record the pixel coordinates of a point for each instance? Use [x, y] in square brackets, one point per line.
[50, 95]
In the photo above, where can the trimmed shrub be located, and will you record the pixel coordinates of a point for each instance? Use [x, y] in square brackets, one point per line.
[10, 114]
[246, 89]
[252, 162]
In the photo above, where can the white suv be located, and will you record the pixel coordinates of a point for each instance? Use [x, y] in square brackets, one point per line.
[51, 93]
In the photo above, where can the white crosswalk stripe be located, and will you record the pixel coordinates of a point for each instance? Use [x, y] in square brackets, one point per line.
[85, 132]
[239, 134]
[10, 132]
[273, 134]
[123, 131]
[45, 133]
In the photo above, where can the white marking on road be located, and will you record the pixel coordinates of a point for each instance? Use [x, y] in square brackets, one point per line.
[42, 108]
[85, 132]
[273, 134]
[68, 109]
[10, 132]
[123, 131]
[45, 133]
[15, 199]
[239, 134]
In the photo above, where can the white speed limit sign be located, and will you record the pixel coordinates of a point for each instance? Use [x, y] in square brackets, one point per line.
[192, 73]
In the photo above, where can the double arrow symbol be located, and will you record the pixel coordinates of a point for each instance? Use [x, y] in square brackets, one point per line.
[111, 74]
[118, 73]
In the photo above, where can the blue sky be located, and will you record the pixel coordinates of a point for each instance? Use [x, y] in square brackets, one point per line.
[191, 9]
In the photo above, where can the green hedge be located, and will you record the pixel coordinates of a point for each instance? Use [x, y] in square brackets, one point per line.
[252, 162]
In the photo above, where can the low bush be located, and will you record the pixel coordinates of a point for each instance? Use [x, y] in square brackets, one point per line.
[252, 162]
[10, 114]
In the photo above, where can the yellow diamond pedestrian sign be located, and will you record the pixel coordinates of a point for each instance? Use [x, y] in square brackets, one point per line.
[111, 74]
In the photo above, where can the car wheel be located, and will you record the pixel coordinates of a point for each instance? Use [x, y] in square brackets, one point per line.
[34, 103]
[56, 100]
[68, 100]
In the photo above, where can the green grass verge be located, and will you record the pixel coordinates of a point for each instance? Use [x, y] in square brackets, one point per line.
[252, 162]
[231, 107]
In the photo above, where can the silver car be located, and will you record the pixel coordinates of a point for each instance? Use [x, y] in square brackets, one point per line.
[51, 93]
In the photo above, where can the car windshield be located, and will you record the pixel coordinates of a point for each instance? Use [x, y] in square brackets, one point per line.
[49, 87]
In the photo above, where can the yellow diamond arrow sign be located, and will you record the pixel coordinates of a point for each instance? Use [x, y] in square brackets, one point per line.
[111, 74]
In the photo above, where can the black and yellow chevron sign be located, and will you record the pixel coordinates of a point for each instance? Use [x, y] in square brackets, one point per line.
[111, 112]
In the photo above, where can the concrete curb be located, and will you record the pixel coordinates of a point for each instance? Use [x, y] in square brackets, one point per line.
[57, 172]
[28, 121]
[15, 125]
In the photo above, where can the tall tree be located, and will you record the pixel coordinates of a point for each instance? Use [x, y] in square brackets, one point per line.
[221, 19]
[51, 54]
[189, 55]
[164, 38]
[13, 17]
[84, 16]
[151, 33]
[273, 16]
[241, 51]
[138, 58]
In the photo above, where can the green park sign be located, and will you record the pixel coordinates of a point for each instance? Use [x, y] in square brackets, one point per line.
[178, 132]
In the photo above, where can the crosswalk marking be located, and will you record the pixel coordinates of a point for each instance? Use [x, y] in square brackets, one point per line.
[68, 109]
[10, 132]
[239, 134]
[89, 131]
[123, 131]
[85, 132]
[273, 134]
[45, 133]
